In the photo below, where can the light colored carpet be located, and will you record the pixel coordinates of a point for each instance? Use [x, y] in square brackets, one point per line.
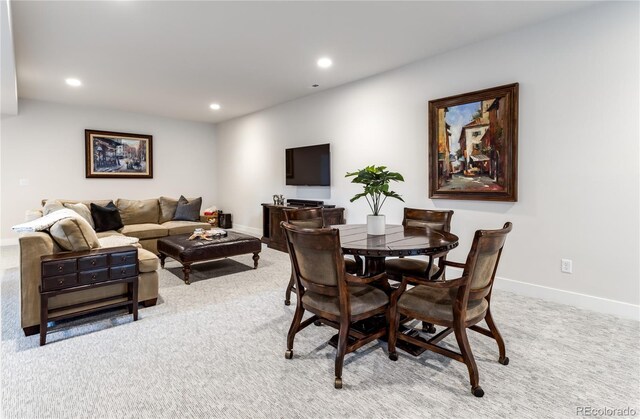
[216, 349]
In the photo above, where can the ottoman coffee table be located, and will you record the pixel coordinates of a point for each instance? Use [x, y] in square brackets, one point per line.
[187, 251]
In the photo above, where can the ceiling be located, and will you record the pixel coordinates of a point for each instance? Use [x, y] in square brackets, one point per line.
[174, 58]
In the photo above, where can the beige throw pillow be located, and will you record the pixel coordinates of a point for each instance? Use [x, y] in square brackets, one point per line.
[51, 205]
[74, 234]
[138, 211]
[84, 212]
[167, 208]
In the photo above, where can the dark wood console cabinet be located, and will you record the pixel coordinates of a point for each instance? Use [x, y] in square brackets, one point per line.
[272, 234]
[69, 272]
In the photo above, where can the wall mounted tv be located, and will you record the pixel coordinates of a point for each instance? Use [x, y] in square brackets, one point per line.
[308, 166]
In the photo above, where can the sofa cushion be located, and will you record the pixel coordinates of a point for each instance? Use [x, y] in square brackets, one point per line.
[138, 211]
[88, 202]
[184, 227]
[147, 261]
[106, 218]
[83, 210]
[188, 210]
[167, 208]
[108, 233]
[74, 234]
[118, 240]
[145, 231]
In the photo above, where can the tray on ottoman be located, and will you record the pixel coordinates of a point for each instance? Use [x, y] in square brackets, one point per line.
[188, 251]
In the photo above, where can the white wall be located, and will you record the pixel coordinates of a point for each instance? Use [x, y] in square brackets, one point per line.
[44, 143]
[578, 151]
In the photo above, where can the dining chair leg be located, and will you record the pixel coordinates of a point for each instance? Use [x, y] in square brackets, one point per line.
[343, 338]
[392, 331]
[503, 359]
[295, 326]
[287, 294]
[465, 350]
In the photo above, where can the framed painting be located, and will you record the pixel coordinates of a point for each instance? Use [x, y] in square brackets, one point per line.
[473, 145]
[118, 155]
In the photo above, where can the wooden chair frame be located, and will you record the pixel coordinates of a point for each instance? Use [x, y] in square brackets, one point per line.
[459, 306]
[343, 321]
[430, 216]
[307, 214]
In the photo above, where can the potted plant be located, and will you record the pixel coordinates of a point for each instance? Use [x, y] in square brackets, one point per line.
[375, 181]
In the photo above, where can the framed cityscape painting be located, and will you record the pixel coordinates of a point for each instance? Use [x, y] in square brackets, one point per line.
[473, 145]
[118, 155]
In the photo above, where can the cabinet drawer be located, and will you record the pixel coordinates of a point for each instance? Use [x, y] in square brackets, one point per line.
[123, 258]
[92, 262]
[59, 267]
[91, 277]
[57, 282]
[123, 271]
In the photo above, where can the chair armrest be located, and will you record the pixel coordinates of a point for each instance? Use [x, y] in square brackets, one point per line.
[454, 264]
[32, 247]
[364, 279]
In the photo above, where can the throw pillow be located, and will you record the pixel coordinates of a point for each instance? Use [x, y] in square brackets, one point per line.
[143, 211]
[74, 234]
[167, 208]
[188, 210]
[83, 210]
[51, 205]
[106, 218]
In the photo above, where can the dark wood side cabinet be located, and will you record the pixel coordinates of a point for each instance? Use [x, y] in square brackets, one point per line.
[68, 272]
[272, 234]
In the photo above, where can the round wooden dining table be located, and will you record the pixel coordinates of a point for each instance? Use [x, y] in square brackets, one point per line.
[397, 241]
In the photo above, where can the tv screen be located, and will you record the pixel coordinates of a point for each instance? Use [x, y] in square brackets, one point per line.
[308, 166]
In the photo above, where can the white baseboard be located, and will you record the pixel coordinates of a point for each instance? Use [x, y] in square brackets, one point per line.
[248, 230]
[574, 299]
[9, 242]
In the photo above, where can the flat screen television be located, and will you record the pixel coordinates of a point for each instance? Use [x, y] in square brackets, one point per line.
[308, 166]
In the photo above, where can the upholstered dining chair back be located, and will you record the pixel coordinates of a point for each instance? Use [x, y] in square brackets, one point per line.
[421, 218]
[304, 217]
[316, 258]
[482, 261]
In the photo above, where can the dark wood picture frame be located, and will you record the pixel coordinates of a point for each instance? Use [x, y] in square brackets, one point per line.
[111, 154]
[484, 165]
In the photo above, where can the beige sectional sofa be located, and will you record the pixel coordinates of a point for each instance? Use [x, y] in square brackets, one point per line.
[148, 220]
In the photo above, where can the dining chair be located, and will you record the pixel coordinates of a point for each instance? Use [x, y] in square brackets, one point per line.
[397, 267]
[456, 304]
[311, 217]
[324, 288]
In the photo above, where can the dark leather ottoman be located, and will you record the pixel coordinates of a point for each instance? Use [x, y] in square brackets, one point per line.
[188, 251]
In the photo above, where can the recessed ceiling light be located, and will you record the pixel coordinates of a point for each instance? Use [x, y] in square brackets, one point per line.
[214, 106]
[325, 62]
[73, 82]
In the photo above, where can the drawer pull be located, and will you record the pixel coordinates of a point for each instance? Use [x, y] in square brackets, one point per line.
[93, 276]
[124, 258]
[93, 262]
[60, 268]
[60, 281]
[122, 271]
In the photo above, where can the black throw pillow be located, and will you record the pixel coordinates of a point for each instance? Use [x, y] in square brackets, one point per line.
[106, 218]
[188, 210]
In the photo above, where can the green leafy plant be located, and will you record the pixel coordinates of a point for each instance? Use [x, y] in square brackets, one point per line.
[375, 181]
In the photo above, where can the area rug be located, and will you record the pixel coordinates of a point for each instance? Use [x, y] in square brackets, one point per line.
[215, 349]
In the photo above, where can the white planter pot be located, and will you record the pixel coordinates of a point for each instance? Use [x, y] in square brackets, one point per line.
[375, 225]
